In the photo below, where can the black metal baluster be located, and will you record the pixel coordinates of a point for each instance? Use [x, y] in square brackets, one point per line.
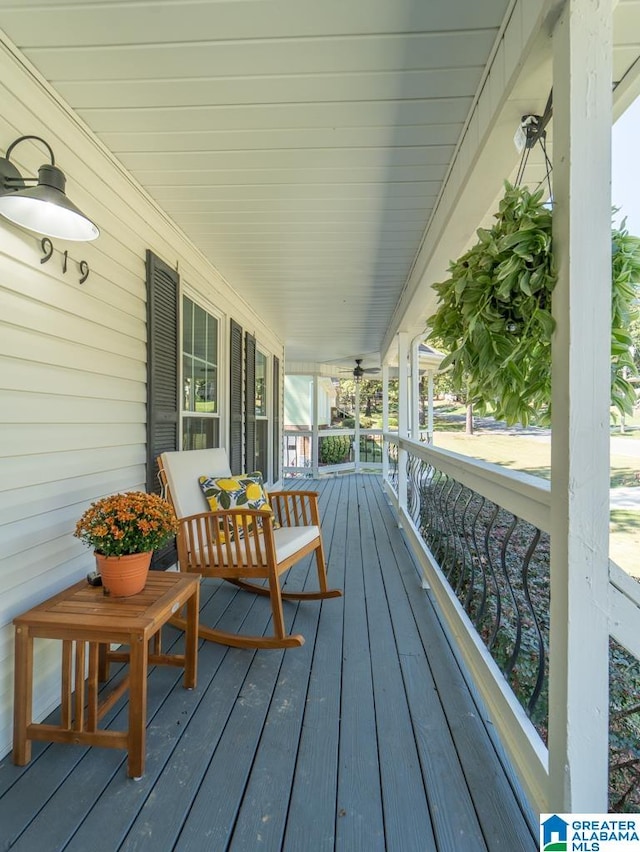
[533, 700]
[492, 572]
[517, 618]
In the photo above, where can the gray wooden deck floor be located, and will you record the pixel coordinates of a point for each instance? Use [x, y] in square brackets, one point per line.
[366, 738]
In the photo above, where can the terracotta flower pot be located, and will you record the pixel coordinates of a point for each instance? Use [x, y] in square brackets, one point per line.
[123, 576]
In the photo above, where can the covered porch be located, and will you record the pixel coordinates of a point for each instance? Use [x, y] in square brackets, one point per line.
[303, 174]
[367, 737]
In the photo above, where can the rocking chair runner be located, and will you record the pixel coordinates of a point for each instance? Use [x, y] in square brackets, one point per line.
[241, 545]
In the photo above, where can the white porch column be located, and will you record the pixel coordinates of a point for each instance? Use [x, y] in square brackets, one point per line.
[415, 389]
[385, 419]
[578, 701]
[356, 438]
[315, 441]
[403, 414]
[430, 406]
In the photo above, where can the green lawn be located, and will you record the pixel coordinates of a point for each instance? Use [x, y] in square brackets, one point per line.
[521, 452]
[631, 425]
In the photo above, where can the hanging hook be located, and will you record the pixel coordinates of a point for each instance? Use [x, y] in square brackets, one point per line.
[532, 129]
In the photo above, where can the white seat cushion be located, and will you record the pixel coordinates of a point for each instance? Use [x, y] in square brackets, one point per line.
[290, 539]
[287, 541]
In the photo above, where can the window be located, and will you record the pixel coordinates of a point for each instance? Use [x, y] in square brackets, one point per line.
[200, 410]
[262, 418]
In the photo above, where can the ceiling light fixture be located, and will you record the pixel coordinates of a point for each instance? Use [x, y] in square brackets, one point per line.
[43, 208]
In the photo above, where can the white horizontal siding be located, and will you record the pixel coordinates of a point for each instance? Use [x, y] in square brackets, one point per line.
[73, 363]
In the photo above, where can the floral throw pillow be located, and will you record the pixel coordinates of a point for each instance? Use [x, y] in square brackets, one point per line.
[231, 492]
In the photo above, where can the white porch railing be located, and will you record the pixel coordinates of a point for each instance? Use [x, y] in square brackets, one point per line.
[481, 535]
[335, 451]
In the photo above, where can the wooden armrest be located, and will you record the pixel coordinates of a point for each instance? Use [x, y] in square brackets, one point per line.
[295, 508]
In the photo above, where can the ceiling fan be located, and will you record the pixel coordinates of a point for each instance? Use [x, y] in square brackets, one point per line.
[359, 371]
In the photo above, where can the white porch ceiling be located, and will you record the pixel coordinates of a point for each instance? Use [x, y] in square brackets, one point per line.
[301, 145]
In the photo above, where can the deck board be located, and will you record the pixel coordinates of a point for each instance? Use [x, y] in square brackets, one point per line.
[312, 806]
[406, 812]
[360, 822]
[365, 738]
[453, 826]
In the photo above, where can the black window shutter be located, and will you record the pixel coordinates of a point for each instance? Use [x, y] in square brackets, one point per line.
[277, 438]
[250, 402]
[162, 376]
[235, 398]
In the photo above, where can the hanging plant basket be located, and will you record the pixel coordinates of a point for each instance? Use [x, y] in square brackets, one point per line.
[494, 313]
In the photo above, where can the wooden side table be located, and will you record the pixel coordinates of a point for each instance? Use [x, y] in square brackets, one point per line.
[83, 615]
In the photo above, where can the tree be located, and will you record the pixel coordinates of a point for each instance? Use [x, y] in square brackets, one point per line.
[370, 398]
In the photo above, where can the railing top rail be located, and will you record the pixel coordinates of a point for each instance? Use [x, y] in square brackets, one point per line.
[334, 430]
[527, 496]
[625, 584]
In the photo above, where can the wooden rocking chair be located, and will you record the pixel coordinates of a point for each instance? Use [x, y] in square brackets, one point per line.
[243, 545]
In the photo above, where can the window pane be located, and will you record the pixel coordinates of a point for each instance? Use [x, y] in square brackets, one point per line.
[211, 390]
[205, 385]
[261, 384]
[187, 383]
[200, 359]
[199, 333]
[212, 339]
[200, 433]
[262, 447]
[200, 385]
[187, 325]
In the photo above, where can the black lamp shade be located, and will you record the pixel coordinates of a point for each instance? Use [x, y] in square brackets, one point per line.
[46, 209]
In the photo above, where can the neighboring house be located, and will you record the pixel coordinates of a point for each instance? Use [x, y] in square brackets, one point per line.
[299, 403]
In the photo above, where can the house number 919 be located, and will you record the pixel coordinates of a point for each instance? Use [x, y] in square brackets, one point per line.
[47, 251]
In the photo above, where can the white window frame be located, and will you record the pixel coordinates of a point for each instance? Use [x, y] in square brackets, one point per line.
[187, 293]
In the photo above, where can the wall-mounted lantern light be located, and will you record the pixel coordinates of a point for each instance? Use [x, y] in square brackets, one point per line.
[43, 208]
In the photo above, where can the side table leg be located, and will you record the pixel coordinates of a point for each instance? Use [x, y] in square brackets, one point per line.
[23, 696]
[103, 662]
[138, 660]
[191, 640]
[92, 687]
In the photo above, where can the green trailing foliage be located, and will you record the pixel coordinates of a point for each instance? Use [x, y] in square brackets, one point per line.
[625, 267]
[494, 313]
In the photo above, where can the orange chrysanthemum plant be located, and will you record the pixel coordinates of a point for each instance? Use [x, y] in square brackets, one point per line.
[134, 522]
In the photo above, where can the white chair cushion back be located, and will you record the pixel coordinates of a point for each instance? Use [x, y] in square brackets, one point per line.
[183, 468]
